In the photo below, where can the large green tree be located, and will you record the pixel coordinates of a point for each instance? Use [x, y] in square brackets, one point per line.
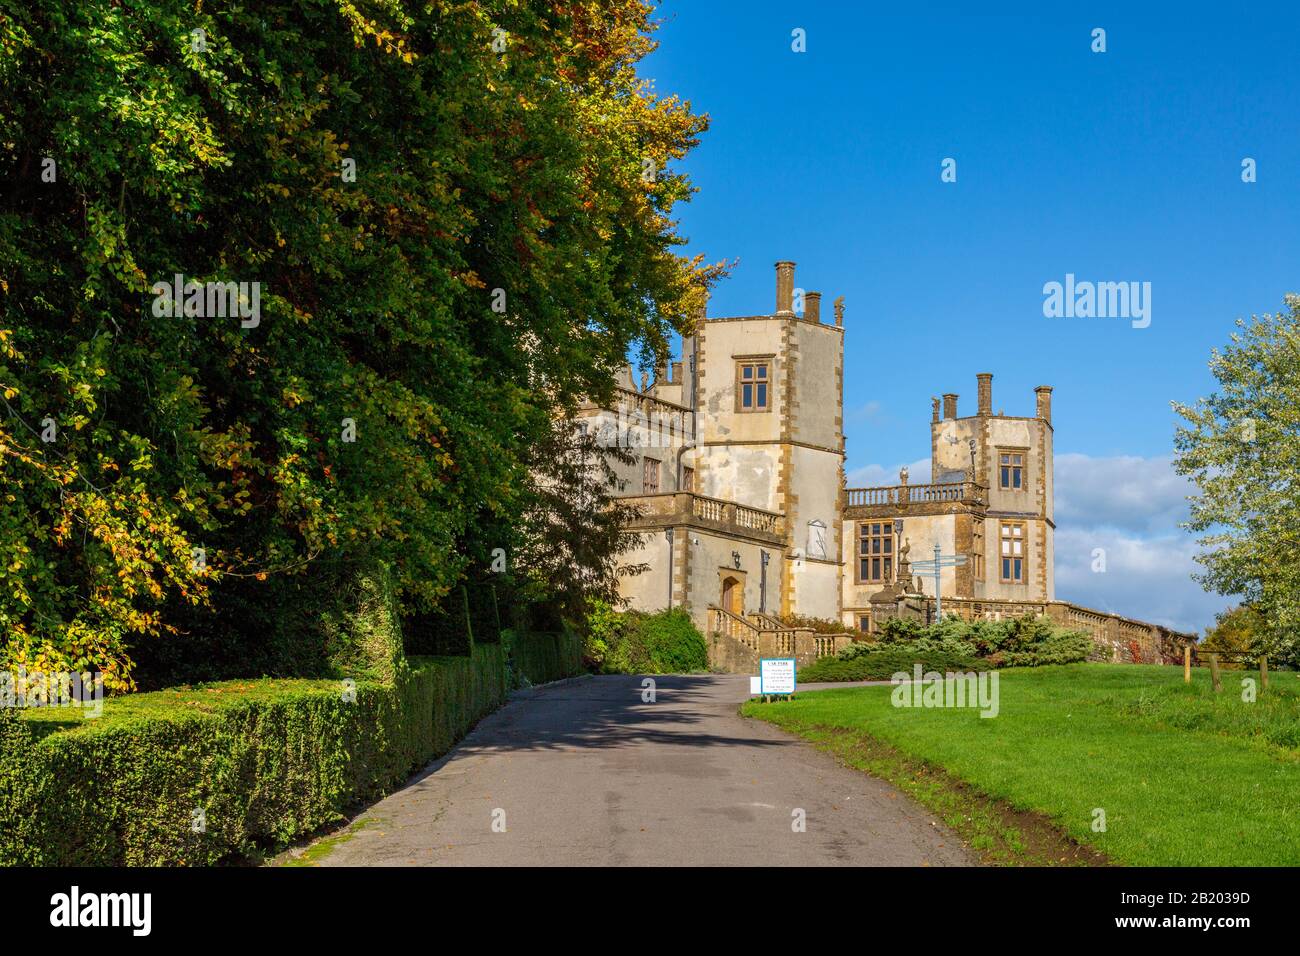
[1241, 446]
[457, 215]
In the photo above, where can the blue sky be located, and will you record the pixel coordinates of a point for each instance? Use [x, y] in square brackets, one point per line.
[1117, 166]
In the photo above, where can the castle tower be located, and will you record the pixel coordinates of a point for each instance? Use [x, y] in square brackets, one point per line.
[769, 391]
[1013, 543]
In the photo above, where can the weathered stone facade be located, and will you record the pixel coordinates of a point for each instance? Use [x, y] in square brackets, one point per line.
[739, 469]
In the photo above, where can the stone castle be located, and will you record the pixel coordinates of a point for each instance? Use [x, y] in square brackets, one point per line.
[746, 522]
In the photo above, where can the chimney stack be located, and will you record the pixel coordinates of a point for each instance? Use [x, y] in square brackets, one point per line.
[985, 380]
[1044, 395]
[785, 287]
[812, 306]
[949, 405]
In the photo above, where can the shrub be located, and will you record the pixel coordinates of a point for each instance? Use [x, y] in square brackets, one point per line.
[883, 663]
[633, 642]
[602, 627]
[900, 629]
[1058, 647]
[669, 644]
[955, 644]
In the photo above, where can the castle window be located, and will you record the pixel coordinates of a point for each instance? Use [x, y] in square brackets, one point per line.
[753, 388]
[650, 476]
[875, 552]
[977, 551]
[1011, 470]
[1013, 552]
[688, 479]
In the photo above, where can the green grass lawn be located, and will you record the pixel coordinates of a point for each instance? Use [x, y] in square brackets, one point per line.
[1186, 777]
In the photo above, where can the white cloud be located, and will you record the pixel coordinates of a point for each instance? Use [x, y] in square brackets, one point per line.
[1126, 492]
[1130, 508]
[1148, 578]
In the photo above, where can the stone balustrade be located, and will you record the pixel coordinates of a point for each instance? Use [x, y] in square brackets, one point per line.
[888, 498]
[688, 508]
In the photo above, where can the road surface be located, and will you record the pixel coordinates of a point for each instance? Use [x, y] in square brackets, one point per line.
[584, 773]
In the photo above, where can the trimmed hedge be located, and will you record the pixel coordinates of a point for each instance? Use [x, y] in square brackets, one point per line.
[544, 656]
[266, 761]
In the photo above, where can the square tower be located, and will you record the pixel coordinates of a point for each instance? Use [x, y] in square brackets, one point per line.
[769, 393]
[1011, 456]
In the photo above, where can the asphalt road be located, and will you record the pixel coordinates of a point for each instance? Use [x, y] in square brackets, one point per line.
[584, 773]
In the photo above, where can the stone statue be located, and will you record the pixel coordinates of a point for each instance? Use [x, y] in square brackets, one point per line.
[902, 475]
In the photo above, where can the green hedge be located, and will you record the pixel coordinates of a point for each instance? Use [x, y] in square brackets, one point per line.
[544, 656]
[266, 761]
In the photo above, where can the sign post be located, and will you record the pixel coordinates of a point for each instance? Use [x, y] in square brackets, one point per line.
[934, 567]
[776, 676]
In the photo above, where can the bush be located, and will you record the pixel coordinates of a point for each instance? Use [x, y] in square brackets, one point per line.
[885, 662]
[265, 762]
[634, 642]
[954, 644]
[1060, 647]
[669, 644]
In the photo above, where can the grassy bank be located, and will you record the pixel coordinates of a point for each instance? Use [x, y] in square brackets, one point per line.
[1184, 776]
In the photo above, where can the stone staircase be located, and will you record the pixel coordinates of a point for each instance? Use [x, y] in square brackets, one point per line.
[736, 644]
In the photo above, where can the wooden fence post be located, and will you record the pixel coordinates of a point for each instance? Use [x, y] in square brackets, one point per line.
[1263, 672]
[1214, 672]
[1187, 663]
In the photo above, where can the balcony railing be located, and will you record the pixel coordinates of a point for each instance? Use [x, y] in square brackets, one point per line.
[956, 491]
[682, 505]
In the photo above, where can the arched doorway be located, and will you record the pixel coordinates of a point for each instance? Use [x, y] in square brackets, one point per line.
[733, 596]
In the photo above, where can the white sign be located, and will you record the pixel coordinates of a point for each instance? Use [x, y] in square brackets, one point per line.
[776, 675]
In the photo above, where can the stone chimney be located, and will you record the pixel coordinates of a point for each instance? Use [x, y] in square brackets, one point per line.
[985, 380]
[785, 288]
[677, 373]
[949, 405]
[934, 409]
[1044, 395]
[812, 306]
